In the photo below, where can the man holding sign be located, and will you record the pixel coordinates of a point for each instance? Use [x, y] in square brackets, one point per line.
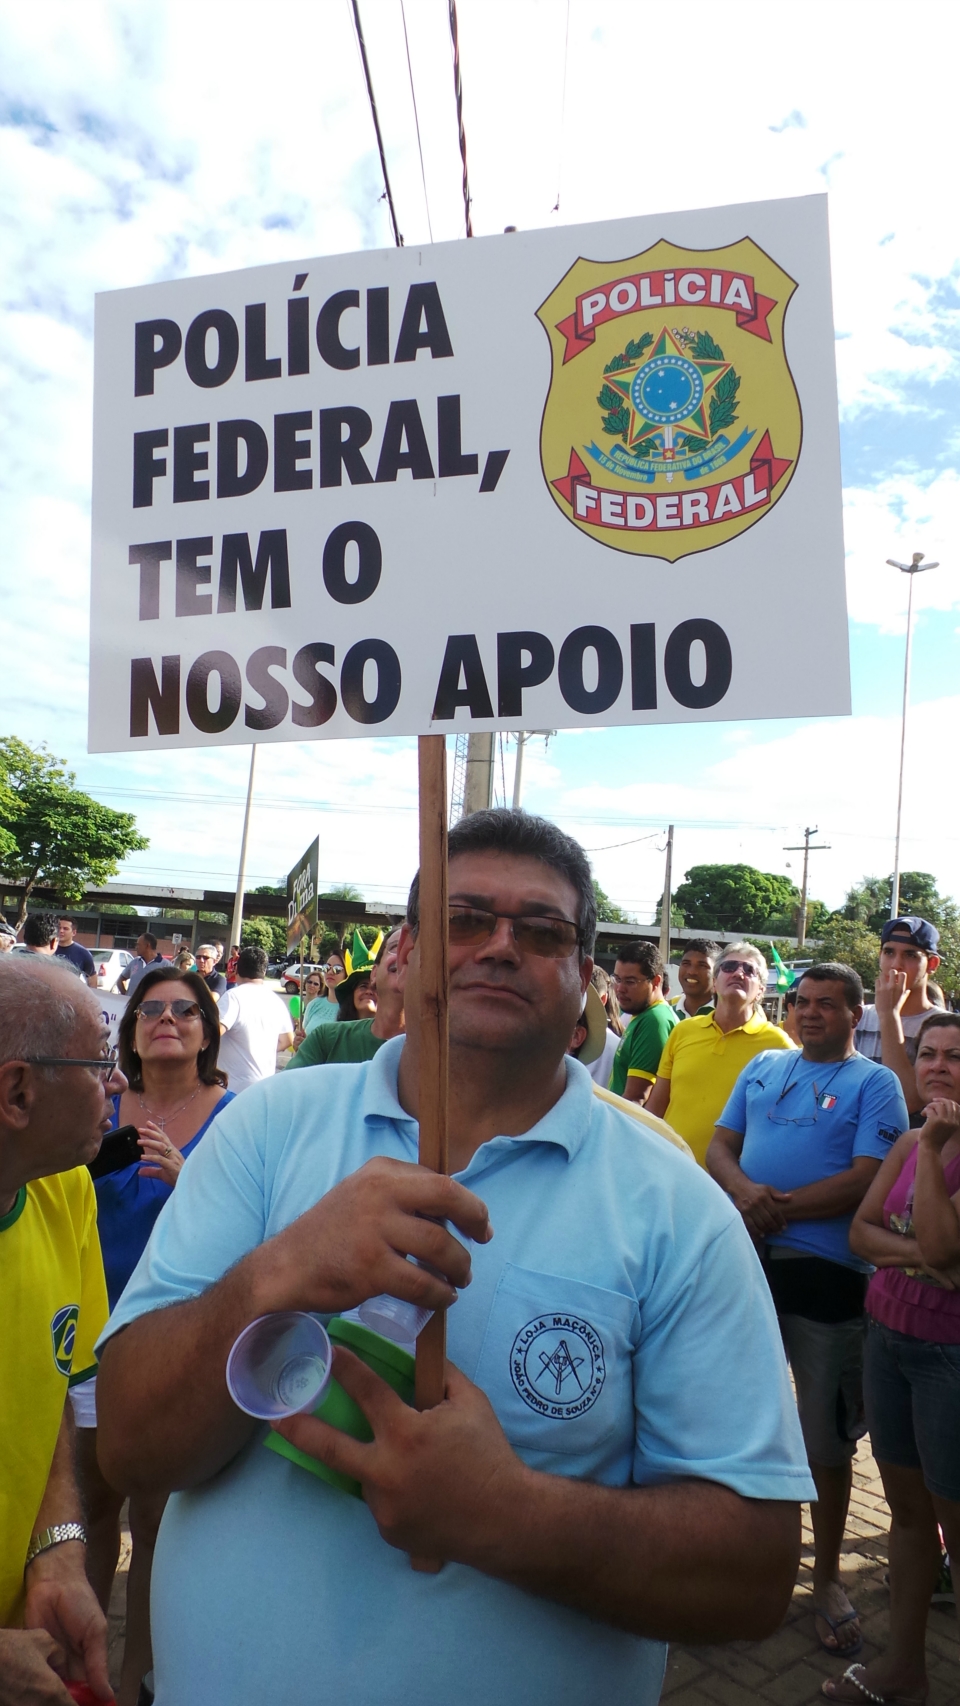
[589, 1503]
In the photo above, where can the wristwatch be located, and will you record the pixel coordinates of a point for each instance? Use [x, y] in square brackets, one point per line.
[55, 1535]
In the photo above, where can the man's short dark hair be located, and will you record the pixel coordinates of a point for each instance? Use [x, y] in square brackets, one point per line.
[148, 937]
[700, 945]
[646, 955]
[40, 929]
[520, 833]
[831, 971]
[251, 962]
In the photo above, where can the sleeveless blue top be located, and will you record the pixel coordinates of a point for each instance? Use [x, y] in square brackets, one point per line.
[128, 1205]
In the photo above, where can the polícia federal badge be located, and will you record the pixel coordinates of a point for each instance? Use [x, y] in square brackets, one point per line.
[672, 422]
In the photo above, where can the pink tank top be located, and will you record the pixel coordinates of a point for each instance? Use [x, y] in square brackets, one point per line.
[898, 1298]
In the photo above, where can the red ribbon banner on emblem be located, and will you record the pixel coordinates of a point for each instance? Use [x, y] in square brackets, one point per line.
[680, 290]
[660, 512]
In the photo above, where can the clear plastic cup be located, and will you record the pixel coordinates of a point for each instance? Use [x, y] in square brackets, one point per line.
[280, 1365]
[394, 1318]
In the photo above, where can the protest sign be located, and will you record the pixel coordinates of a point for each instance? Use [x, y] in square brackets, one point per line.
[564, 478]
[112, 1005]
[302, 884]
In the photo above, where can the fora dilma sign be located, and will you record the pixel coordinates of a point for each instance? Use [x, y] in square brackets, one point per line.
[566, 478]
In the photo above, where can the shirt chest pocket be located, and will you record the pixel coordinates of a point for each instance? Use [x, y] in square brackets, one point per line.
[556, 1364]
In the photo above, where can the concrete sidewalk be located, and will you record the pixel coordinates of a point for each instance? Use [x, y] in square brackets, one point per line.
[788, 1668]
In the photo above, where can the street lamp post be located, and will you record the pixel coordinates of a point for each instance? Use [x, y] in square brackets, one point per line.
[916, 567]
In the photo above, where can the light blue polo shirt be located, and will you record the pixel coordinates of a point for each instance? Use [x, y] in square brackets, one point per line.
[804, 1120]
[618, 1321]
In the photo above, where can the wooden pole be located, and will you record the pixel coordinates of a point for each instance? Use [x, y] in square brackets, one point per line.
[431, 1344]
[434, 1071]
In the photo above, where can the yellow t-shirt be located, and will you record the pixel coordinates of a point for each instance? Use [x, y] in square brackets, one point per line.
[54, 1307]
[639, 1113]
[703, 1063]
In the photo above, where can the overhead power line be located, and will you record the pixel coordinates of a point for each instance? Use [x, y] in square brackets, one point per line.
[563, 109]
[376, 123]
[458, 92]
[416, 118]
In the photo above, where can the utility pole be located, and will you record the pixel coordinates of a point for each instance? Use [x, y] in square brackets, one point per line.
[242, 873]
[916, 567]
[807, 848]
[666, 905]
[518, 770]
[478, 784]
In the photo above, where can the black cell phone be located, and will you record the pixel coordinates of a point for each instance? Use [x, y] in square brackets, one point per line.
[119, 1149]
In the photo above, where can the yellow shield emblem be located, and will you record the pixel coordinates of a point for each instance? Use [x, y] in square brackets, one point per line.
[672, 422]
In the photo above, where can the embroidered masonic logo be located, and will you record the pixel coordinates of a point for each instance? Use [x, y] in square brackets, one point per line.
[557, 1365]
[661, 443]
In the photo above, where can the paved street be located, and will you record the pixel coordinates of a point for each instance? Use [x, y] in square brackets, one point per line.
[788, 1668]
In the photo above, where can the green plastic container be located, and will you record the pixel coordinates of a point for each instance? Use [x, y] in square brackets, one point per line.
[393, 1364]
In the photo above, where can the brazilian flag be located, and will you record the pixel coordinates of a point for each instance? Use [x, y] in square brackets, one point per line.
[785, 977]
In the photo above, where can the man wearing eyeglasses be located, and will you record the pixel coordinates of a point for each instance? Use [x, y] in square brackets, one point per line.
[797, 1146]
[704, 1056]
[587, 1507]
[55, 1084]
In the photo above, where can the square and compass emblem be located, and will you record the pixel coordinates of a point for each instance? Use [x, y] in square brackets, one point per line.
[672, 422]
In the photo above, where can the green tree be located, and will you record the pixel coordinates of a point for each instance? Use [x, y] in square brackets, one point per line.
[52, 833]
[735, 897]
[850, 941]
[258, 933]
[868, 903]
[608, 912]
[677, 917]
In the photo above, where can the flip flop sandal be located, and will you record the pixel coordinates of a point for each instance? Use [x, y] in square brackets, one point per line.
[866, 1693]
[835, 1624]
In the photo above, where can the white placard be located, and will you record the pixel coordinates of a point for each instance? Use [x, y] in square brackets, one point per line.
[562, 478]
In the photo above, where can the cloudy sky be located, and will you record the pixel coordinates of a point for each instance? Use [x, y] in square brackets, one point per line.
[145, 143]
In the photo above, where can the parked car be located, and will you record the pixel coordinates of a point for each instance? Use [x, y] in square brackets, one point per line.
[111, 963]
[290, 975]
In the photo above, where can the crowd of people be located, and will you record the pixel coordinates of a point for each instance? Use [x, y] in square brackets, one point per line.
[646, 1190]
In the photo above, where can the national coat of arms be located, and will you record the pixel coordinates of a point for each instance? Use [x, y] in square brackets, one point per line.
[672, 422]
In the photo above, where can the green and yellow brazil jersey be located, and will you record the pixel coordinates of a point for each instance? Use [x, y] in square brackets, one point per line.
[54, 1301]
[639, 1053]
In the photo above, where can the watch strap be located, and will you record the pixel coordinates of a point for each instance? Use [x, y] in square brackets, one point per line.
[55, 1535]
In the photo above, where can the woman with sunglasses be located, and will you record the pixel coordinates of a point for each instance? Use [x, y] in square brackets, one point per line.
[703, 1057]
[908, 1228]
[169, 1038]
[325, 1009]
[312, 991]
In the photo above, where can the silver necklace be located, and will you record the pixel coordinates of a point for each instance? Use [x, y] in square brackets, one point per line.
[162, 1123]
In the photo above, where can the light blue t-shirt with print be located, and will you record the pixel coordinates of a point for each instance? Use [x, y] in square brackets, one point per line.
[804, 1120]
[618, 1321]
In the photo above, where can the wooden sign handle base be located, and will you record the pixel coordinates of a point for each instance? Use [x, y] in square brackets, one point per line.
[434, 1072]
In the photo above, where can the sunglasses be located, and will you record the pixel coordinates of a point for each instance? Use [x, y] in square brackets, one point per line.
[179, 1009]
[547, 938]
[740, 965]
[107, 1062]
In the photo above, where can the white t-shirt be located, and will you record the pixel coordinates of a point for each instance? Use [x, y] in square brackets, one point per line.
[866, 1037]
[254, 1019]
[601, 1068]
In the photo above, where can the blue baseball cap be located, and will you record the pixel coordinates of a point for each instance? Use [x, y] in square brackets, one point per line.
[920, 933]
